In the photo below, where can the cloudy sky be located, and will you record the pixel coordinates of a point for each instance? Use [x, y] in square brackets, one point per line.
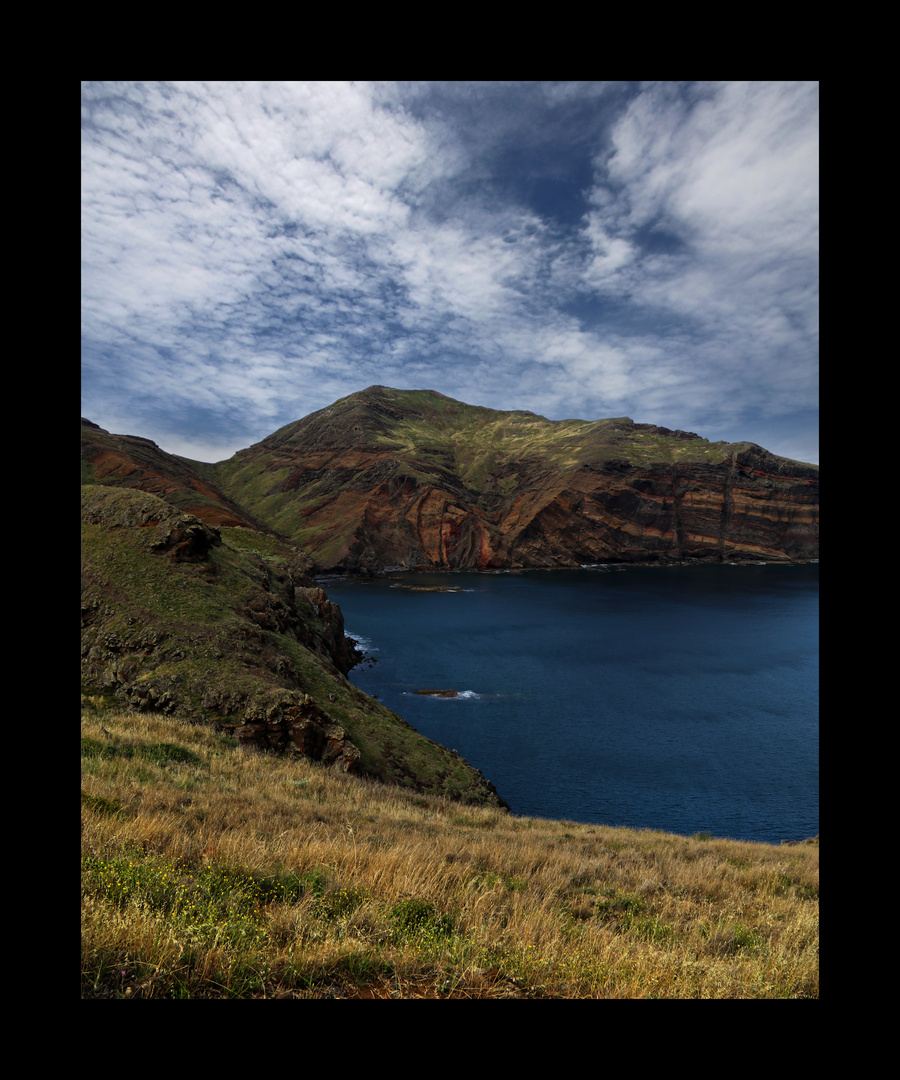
[253, 251]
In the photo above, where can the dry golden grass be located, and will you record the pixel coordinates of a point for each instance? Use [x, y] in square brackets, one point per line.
[228, 873]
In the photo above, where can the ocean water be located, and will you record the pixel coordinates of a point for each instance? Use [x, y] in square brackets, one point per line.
[675, 698]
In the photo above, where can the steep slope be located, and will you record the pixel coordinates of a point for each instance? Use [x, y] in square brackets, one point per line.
[133, 462]
[415, 479]
[222, 626]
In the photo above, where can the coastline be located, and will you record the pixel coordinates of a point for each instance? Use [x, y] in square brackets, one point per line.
[337, 574]
[478, 710]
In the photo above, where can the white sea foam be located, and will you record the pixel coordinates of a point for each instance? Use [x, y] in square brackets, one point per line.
[440, 697]
[363, 643]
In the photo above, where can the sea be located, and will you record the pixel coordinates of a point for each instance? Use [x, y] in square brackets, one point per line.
[679, 698]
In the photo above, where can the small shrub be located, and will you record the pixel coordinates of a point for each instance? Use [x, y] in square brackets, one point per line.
[621, 904]
[650, 929]
[744, 938]
[364, 967]
[419, 918]
[340, 904]
[313, 882]
[738, 864]
[733, 939]
[163, 753]
[93, 748]
[111, 807]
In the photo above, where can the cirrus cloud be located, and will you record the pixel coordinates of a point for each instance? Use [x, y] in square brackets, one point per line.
[253, 251]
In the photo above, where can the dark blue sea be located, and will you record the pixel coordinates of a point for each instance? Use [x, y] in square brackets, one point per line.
[675, 698]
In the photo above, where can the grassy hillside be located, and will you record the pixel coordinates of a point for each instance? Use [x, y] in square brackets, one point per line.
[235, 634]
[211, 871]
[480, 439]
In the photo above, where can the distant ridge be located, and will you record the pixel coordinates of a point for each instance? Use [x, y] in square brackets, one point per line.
[138, 463]
[415, 479]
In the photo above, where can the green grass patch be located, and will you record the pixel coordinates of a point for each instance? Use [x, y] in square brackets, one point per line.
[162, 753]
[341, 903]
[110, 807]
[420, 920]
[214, 903]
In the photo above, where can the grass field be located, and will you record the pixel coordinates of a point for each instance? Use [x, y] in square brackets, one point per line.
[211, 871]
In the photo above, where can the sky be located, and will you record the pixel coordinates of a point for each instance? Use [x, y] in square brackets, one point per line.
[251, 252]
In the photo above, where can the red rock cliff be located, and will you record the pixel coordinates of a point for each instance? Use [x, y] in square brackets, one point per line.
[415, 479]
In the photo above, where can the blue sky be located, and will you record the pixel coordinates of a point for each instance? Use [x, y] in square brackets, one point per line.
[252, 252]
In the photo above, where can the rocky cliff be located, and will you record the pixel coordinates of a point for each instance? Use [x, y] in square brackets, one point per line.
[133, 462]
[415, 479]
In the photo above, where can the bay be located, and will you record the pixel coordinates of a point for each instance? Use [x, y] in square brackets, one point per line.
[681, 698]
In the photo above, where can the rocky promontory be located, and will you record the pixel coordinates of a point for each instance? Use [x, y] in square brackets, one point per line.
[221, 625]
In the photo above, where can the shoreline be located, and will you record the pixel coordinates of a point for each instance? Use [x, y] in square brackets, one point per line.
[339, 574]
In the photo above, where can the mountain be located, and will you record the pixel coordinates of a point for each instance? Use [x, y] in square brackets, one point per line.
[414, 479]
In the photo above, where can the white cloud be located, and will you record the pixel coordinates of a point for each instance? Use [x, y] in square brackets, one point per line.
[733, 174]
[253, 249]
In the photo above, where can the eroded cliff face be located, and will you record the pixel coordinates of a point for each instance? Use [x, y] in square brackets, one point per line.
[663, 512]
[619, 514]
[133, 462]
[413, 479]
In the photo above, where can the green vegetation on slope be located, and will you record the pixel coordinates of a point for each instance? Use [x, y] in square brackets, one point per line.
[238, 633]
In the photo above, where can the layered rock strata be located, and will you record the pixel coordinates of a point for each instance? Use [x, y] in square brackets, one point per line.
[407, 479]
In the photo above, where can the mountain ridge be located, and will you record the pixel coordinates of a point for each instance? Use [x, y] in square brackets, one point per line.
[413, 479]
